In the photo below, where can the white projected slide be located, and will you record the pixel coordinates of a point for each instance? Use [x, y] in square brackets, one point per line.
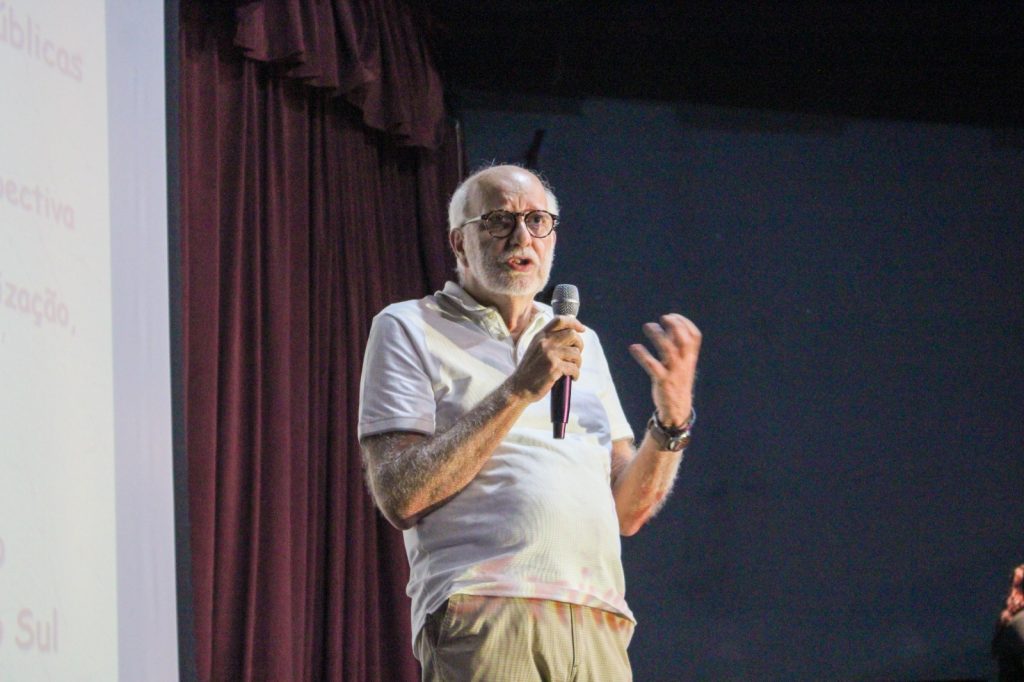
[59, 500]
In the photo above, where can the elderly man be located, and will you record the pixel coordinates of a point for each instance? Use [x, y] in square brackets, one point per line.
[513, 535]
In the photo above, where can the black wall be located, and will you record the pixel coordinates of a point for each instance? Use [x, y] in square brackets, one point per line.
[852, 505]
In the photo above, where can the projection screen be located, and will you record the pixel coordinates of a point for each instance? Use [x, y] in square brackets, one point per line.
[87, 583]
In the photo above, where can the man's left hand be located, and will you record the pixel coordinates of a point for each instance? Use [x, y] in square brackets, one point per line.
[677, 341]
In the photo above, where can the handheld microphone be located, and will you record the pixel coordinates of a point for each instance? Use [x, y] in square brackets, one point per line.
[566, 301]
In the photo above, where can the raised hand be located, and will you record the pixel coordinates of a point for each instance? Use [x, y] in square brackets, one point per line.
[677, 342]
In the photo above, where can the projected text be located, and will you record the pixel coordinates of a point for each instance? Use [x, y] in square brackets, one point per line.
[31, 631]
[18, 31]
[42, 307]
[31, 198]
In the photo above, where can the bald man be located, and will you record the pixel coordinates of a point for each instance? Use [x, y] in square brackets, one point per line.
[512, 535]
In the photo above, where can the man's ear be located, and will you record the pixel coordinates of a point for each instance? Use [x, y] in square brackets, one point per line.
[455, 239]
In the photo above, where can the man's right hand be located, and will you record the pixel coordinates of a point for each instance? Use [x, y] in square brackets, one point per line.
[556, 351]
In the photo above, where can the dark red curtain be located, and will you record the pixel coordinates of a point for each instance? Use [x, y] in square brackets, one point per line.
[315, 170]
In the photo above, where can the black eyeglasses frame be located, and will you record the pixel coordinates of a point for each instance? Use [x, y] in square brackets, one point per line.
[501, 234]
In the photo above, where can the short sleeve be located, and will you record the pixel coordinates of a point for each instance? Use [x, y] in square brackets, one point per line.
[395, 390]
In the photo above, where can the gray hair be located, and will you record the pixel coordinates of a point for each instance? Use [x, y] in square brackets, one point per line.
[457, 204]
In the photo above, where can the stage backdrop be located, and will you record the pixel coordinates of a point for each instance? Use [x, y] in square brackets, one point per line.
[851, 505]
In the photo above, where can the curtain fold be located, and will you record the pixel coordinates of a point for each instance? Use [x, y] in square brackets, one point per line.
[299, 223]
[372, 53]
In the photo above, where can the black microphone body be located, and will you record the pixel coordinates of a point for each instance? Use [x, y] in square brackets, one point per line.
[561, 396]
[566, 301]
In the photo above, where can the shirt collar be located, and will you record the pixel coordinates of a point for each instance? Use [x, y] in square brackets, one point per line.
[457, 299]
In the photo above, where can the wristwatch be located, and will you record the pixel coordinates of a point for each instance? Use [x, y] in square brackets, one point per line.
[671, 439]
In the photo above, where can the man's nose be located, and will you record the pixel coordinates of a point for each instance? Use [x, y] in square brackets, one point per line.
[520, 234]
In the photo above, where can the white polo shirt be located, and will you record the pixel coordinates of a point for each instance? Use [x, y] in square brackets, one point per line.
[538, 520]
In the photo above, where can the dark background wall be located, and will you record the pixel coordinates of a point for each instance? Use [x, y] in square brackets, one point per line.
[852, 504]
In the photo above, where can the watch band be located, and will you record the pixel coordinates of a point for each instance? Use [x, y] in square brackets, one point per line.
[671, 439]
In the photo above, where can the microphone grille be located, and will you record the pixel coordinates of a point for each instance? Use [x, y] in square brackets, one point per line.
[566, 300]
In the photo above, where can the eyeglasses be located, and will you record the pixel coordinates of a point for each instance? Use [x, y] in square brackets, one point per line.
[502, 223]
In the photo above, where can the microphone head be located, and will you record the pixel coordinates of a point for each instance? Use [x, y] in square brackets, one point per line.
[566, 300]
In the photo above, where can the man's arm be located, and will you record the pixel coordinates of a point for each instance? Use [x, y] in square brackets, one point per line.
[411, 474]
[642, 480]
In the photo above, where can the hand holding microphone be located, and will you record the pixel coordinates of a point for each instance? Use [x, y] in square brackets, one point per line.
[553, 359]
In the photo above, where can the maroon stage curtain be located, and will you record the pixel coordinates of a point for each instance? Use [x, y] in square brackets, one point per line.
[315, 172]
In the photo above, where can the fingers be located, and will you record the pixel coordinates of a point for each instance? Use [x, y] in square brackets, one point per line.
[570, 363]
[683, 332]
[661, 340]
[566, 347]
[564, 330]
[650, 364]
[556, 351]
[675, 338]
[677, 343]
[562, 322]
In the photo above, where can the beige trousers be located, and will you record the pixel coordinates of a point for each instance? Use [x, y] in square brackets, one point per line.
[502, 639]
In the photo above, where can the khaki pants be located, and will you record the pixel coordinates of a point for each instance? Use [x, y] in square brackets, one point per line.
[502, 639]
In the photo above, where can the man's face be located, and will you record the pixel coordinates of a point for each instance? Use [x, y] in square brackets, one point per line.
[518, 265]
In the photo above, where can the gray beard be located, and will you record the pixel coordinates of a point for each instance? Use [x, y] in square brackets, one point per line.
[498, 280]
[501, 281]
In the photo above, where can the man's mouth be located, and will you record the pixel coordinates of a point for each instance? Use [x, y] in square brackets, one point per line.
[519, 263]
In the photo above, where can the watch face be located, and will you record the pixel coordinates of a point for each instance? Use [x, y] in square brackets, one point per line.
[679, 442]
